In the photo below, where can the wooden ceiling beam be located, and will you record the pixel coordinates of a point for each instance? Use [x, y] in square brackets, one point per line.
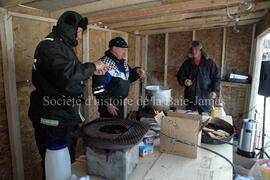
[10, 3]
[191, 22]
[197, 27]
[124, 8]
[182, 16]
[188, 6]
[170, 18]
[102, 5]
[172, 1]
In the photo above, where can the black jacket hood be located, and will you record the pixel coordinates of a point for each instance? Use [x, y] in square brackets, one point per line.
[67, 26]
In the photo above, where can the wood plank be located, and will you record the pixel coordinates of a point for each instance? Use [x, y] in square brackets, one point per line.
[252, 52]
[166, 59]
[144, 63]
[25, 45]
[104, 29]
[223, 52]
[3, 11]
[200, 26]
[155, 58]
[97, 47]
[238, 51]
[255, 77]
[251, 64]
[233, 84]
[31, 11]
[108, 37]
[190, 22]
[11, 96]
[39, 18]
[169, 8]
[170, 17]
[179, 43]
[212, 41]
[256, 72]
[124, 8]
[144, 165]
[207, 165]
[173, 1]
[86, 58]
[193, 35]
[100, 6]
[10, 3]
[135, 55]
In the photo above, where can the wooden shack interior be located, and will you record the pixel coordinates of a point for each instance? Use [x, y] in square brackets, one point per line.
[159, 33]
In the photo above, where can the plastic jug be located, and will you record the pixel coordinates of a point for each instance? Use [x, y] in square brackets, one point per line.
[57, 161]
[220, 111]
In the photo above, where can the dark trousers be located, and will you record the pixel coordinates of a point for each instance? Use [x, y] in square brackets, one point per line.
[200, 109]
[44, 134]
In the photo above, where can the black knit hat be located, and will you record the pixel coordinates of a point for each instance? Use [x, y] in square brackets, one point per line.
[83, 23]
[118, 42]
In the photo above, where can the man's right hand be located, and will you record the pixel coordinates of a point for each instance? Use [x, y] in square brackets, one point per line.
[101, 68]
[112, 109]
[188, 82]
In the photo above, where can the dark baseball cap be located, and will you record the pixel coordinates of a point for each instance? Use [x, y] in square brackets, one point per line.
[118, 42]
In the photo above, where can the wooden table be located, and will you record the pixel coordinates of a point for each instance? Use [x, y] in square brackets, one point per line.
[162, 166]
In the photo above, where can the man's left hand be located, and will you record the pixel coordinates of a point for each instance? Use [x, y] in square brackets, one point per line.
[141, 72]
[213, 95]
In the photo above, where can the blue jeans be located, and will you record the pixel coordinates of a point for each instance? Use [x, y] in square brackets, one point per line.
[200, 109]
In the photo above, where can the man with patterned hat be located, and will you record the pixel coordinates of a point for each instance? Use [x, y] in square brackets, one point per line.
[200, 77]
[58, 76]
[112, 88]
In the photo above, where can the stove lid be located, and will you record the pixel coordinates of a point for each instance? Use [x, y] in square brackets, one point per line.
[108, 133]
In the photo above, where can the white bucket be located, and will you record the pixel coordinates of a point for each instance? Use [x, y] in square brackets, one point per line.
[57, 161]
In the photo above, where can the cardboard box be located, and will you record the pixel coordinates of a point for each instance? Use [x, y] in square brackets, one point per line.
[243, 165]
[182, 126]
[146, 150]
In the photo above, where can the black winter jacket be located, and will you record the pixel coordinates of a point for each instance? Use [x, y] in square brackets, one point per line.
[205, 79]
[115, 83]
[58, 76]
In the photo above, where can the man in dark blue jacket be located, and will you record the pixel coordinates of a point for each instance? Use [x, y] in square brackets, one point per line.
[201, 79]
[58, 77]
[112, 88]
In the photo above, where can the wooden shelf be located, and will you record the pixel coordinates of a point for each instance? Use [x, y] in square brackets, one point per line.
[234, 84]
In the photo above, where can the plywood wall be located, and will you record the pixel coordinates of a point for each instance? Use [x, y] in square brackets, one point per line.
[25, 43]
[212, 40]
[97, 45]
[235, 98]
[238, 50]
[134, 60]
[27, 34]
[177, 53]
[155, 59]
[5, 153]
[79, 50]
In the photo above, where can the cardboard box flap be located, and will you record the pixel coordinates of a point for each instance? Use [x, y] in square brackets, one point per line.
[185, 115]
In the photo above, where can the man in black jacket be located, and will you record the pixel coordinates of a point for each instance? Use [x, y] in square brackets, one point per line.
[58, 77]
[201, 79]
[112, 88]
